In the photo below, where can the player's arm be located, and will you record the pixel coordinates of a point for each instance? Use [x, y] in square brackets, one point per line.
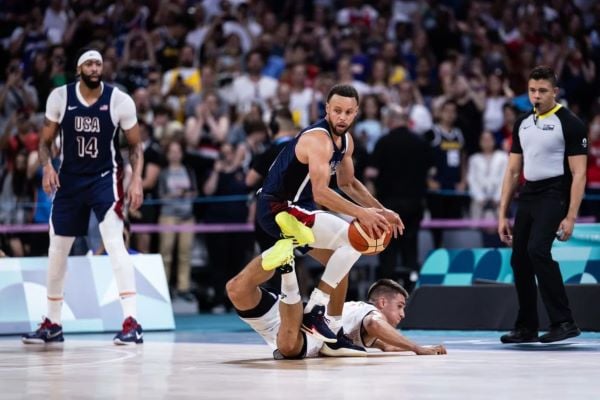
[509, 186]
[136, 160]
[55, 106]
[390, 339]
[127, 119]
[50, 180]
[315, 149]
[578, 167]
[358, 192]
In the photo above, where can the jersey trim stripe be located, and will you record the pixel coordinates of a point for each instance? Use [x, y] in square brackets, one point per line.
[301, 188]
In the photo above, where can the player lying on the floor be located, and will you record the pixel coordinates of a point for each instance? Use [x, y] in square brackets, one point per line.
[366, 324]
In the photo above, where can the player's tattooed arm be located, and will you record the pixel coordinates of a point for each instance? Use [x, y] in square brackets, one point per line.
[49, 131]
[136, 158]
[50, 180]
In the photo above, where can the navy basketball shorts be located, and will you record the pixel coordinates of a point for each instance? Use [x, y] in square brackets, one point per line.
[78, 195]
[267, 207]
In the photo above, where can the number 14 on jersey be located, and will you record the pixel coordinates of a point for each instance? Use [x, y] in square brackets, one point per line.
[87, 147]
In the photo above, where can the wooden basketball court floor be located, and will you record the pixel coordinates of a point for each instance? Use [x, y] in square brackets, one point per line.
[218, 357]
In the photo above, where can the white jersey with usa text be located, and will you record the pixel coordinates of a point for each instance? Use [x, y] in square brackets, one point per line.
[89, 133]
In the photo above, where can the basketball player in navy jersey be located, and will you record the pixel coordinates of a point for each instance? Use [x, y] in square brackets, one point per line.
[299, 178]
[89, 114]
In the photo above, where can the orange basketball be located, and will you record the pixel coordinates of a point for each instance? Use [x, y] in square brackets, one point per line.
[362, 242]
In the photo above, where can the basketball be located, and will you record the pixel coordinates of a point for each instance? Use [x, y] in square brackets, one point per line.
[362, 242]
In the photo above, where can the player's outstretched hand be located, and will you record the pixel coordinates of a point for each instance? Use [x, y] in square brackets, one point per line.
[135, 193]
[50, 180]
[432, 350]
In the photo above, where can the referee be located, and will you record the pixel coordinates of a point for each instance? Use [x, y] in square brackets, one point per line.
[550, 148]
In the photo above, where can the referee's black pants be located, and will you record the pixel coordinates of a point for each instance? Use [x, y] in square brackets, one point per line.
[536, 222]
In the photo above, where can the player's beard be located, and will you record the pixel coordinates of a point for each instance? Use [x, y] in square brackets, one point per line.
[334, 129]
[92, 84]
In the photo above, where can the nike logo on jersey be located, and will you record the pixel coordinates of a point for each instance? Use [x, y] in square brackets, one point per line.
[527, 127]
[70, 108]
[102, 175]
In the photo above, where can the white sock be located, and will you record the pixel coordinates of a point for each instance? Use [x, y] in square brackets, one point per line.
[339, 265]
[335, 323]
[290, 292]
[54, 311]
[58, 251]
[129, 306]
[111, 229]
[317, 298]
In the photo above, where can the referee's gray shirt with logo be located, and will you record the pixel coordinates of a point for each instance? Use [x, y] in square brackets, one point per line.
[546, 142]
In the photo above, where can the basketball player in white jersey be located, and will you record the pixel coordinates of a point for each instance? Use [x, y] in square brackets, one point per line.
[89, 114]
[366, 324]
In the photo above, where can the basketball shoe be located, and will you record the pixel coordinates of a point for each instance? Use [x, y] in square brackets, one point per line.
[132, 333]
[48, 332]
[344, 347]
[281, 253]
[294, 229]
[314, 323]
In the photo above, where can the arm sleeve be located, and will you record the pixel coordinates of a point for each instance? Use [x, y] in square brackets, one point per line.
[56, 104]
[575, 134]
[123, 109]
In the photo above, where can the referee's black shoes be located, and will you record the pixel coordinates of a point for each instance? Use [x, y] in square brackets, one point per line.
[520, 335]
[560, 332]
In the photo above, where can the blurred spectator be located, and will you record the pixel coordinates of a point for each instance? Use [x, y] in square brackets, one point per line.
[169, 36]
[469, 112]
[369, 127]
[30, 38]
[252, 86]
[302, 97]
[400, 166]
[18, 136]
[137, 61]
[208, 127]
[39, 78]
[148, 212]
[16, 199]
[591, 204]
[177, 185]
[15, 93]
[228, 252]
[181, 81]
[504, 136]
[56, 20]
[485, 174]
[450, 169]
[257, 135]
[498, 93]
[409, 98]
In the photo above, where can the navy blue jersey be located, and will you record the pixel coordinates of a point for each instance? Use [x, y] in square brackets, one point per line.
[288, 178]
[89, 137]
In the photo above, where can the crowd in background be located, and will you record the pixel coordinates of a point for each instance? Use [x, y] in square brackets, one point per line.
[441, 84]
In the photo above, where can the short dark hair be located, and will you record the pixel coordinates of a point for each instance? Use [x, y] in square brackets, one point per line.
[385, 287]
[344, 91]
[544, 72]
